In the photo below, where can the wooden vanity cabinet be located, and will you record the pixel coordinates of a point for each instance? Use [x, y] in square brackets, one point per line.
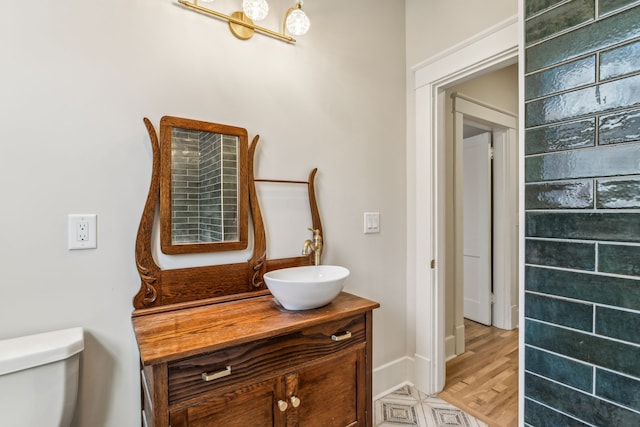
[215, 347]
[252, 363]
[326, 395]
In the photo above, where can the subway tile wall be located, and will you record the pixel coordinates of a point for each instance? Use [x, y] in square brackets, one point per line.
[204, 185]
[210, 188]
[582, 213]
[185, 154]
[230, 202]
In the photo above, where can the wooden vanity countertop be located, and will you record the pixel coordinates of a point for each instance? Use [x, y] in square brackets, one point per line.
[174, 335]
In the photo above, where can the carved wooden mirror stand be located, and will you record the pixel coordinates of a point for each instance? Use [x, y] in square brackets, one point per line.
[164, 290]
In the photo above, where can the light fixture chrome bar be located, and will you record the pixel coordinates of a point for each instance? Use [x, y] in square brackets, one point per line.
[233, 20]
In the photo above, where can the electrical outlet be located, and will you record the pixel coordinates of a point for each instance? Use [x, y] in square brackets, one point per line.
[82, 231]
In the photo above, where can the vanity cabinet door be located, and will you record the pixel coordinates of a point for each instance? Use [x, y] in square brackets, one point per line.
[254, 405]
[328, 394]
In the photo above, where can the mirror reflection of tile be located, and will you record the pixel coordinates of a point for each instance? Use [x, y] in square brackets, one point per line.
[204, 187]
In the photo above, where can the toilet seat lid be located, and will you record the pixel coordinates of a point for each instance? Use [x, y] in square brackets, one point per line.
[30, 351]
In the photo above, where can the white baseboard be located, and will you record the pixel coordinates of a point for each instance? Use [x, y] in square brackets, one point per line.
[424, 377]
[392, 375]
[460, 343]
[450, 347]
[515, 316]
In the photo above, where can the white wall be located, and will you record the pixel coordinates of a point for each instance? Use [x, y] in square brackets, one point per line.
[432, 28]
[77, 79]
[497, 88]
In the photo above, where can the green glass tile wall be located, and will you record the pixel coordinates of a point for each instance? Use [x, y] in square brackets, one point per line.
[571, 314]
[210, 226]
[608, 6]
[617, 128]
[538, 415]
[592, 409]
[620, 61]
[559, 195]
[618, 193]
[558, 368]
[601, 98]
[535, 6]
[599, 35]
[586, 347]
[619, 324]
[612, 226]
[619, 259]
[580, 256]
[618, 388]
[564, 136]
[204, 187]
[184, 185]
[582, 212]
[600, 289]
[560, 78]
[230, 208]
[566, 15]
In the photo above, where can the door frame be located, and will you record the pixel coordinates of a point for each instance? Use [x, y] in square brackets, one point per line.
[503, 125]
[490, 50]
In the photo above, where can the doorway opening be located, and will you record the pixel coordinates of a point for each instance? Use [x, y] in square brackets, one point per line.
[491, 50]
[482, 364]
[481, 164]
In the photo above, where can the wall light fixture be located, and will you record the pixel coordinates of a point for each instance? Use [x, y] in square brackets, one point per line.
[295, 22]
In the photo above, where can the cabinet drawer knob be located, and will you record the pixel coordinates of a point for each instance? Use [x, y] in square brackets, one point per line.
[210, 376]
[343, 336]
[295, 401]
[282, 405]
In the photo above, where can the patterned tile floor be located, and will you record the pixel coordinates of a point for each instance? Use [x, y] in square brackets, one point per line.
[407, 406]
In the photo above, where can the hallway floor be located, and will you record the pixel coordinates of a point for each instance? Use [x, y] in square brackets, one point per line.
[483, 381]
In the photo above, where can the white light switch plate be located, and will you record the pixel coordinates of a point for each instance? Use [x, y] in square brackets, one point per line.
[371, 222]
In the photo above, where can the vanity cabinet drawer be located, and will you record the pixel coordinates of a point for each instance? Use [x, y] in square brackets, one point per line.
[191, 378]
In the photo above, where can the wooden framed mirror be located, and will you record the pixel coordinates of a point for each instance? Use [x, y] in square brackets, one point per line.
[203, 186]
[173, 289]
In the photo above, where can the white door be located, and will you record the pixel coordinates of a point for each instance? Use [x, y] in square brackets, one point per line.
[477, 227]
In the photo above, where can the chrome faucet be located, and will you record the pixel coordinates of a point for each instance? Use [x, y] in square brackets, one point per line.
[315, 246]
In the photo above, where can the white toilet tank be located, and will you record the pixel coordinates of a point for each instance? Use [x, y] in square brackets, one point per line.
[39, 378]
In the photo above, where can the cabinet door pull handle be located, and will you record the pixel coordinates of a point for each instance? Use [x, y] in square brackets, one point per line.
[215, 375]
[344, 336]
[282, 405]
[295, 401]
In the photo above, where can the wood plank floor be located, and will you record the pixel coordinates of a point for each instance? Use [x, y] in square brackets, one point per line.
[483, 381]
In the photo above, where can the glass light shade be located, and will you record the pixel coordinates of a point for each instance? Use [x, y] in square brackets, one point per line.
[298, 23]
[255, 9]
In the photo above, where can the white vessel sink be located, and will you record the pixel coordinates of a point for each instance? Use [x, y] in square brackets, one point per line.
[304, 288]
